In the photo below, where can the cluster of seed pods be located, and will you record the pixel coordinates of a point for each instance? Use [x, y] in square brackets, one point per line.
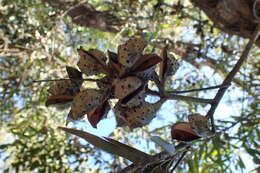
[127, 73]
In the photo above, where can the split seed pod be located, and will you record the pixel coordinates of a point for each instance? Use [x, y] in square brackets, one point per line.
[145, 66]
[86, 101]
[137, 116]
[65, 90]
[92, 62]
[168, 66]
[183, 132]
[200, 125]
[131, 51]
[124, 87]
[99, 113]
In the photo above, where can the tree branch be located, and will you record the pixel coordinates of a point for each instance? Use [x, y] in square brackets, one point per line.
[231, 76]
[172, 96]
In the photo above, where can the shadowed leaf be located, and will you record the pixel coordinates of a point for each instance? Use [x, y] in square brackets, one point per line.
[111, 146]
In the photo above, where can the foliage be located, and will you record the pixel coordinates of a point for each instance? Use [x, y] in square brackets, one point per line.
[38, 40]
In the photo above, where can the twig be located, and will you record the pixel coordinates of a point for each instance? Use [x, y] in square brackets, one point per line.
[200, 89]
[179, 161]
[231, 76]
[171, 96]
[53, 80]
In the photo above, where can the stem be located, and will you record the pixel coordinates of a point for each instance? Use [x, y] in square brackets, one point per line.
[53, 80]
[188, 98]
[179, 97]
[231, 76]
[179, 161]
[200, 89]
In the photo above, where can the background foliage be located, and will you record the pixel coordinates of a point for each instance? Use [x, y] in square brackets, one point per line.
[37, 40]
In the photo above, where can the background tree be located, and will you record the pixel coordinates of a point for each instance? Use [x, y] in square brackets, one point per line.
[38, 38]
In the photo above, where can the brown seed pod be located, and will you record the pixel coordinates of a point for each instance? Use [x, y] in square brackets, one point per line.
[98, 114]
[168, 66]
[92, 62]
[114, 66]
[131, 51]
[136, 116]
[124, 87]
[86, 101]
[200, 125]
[183, 132]
[135, 100]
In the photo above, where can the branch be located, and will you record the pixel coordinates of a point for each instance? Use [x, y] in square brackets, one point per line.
[171, 96]
[201, 89]
[53, 80]
[231, 76]
[179, 161]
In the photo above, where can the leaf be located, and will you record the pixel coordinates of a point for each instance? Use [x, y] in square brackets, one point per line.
[58, 99]
[241, 163]
[182, 131]
[97, 114]
[111, 146]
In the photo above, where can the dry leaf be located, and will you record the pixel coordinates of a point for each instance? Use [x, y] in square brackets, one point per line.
[111, 146]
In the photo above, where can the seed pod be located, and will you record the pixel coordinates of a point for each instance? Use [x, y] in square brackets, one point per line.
[104, 83]
[63, 92]
[135, 100]
[64, 87]
[200, 125]
[124, 87]
[74, 75]
[92, 62]
[137, 116]
[145, 66]
[114, 66]
[86, 101]
[168, 66]
[182, 131]
[131, 51]
[99, 113]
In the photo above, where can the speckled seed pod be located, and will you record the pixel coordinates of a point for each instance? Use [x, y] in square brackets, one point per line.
[168, 66]
[137, 116]
[129, 52]
[91, 62]
[65, 87]
[86, 101]
[136, 100]
[200, 125]
[124, 87]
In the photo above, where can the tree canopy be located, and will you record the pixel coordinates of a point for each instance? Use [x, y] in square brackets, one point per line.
[185, 58]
